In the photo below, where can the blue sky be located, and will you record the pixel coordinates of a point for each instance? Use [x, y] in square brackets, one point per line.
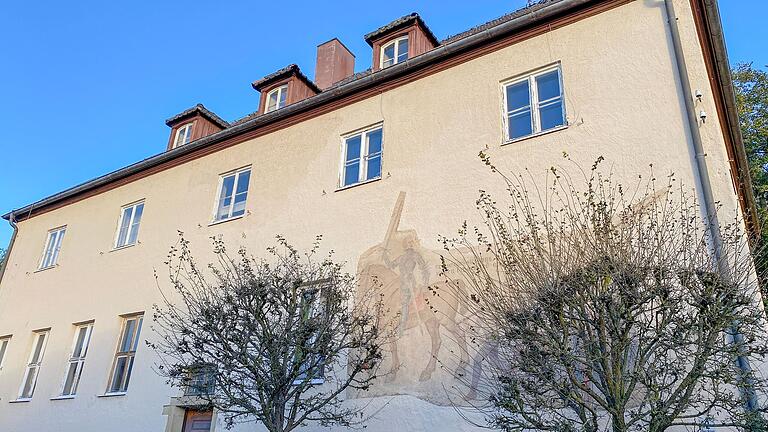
[86, 86]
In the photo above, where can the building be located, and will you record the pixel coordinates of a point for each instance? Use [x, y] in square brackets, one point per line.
[619, 78]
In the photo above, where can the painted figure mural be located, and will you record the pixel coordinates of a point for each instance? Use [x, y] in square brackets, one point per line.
[430, 347]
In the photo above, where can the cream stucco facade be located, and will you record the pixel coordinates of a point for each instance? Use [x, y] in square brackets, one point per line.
[623, 101]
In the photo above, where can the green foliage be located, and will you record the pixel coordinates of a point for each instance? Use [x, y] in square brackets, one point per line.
[751, 86]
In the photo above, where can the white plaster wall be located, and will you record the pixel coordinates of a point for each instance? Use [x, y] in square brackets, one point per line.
[623, 102]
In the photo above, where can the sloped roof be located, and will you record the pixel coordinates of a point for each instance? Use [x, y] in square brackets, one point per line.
[291, 69]
[403, 21]
[198, 109]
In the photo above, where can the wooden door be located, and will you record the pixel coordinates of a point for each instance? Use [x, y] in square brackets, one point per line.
[197, 421]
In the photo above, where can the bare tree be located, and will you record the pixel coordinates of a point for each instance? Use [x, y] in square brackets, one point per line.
[594, 307]
[274, 341]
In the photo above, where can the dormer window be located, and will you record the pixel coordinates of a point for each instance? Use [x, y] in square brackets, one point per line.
[394, 52]
[183, 135]
[276, 98]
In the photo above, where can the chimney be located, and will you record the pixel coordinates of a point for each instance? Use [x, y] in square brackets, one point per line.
[334, 63]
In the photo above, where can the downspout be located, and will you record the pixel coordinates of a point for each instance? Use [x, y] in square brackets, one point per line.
[702, 175]
[4, 264]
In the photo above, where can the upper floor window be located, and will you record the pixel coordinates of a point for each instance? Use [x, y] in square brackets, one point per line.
[125, 355]
[233, 191]
[276, 98]
[183, 135]
[361, 157]
[52, 247]
[128, 229]
[534, 104]
[77, 359]
[4, 341]
[394, 52]
[39, 342]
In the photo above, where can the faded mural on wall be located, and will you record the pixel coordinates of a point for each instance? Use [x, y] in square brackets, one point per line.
[430, 348]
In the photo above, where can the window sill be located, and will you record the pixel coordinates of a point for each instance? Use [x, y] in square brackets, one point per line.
[227, 220]
[46, 268]
[313, 381]
[357, 184]
[20, 400]
[108, 395]
[119, 248]
[63, 397]
[537, 134]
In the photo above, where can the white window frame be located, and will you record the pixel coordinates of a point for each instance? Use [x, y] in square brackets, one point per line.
[184, 132]
[77, 359]
[129, 355]
[52, 247]
[5, 342]
[237, 173]
[534, 102]
[362, 175]
[279, 90]
[34, 364]
[127, 243]
[396, 42]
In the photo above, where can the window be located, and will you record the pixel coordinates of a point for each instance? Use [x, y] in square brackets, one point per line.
[130, 218]
[394, 52]
[126, 352]
[77, 359]
[276, 98]
[200, 380]
[52, 247]
[311, 363]
[183, 135]
[39, 341]
[233, 192]
[534, 104]
[4, 341]
[361, 157]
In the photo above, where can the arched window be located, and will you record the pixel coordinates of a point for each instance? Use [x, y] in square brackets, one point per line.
[276, 98]
[183, 135]
[394, 52]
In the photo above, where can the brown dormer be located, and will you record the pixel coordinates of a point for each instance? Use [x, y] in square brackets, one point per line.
[282, 88]
[193, 124]
[403, 38]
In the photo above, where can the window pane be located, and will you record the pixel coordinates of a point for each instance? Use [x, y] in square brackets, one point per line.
[353, 148]
[80, 344]
[225, 197]
[127, 339]
[272, 101]
[38, 352]
[283, 96]
[55, 255]
[374, 168]
[239, 207]
[518, 96]
[70, 383]
[137, 333]
[29, 382]
[552, 115]
[242, 181]
[351, 174]
[120, 371]
[388, 55]
[128, 374]
[520, 124]
[374, 141]
[125, 223]
[402, 50]
[3, 347]
[548, 86]
[134, 229]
